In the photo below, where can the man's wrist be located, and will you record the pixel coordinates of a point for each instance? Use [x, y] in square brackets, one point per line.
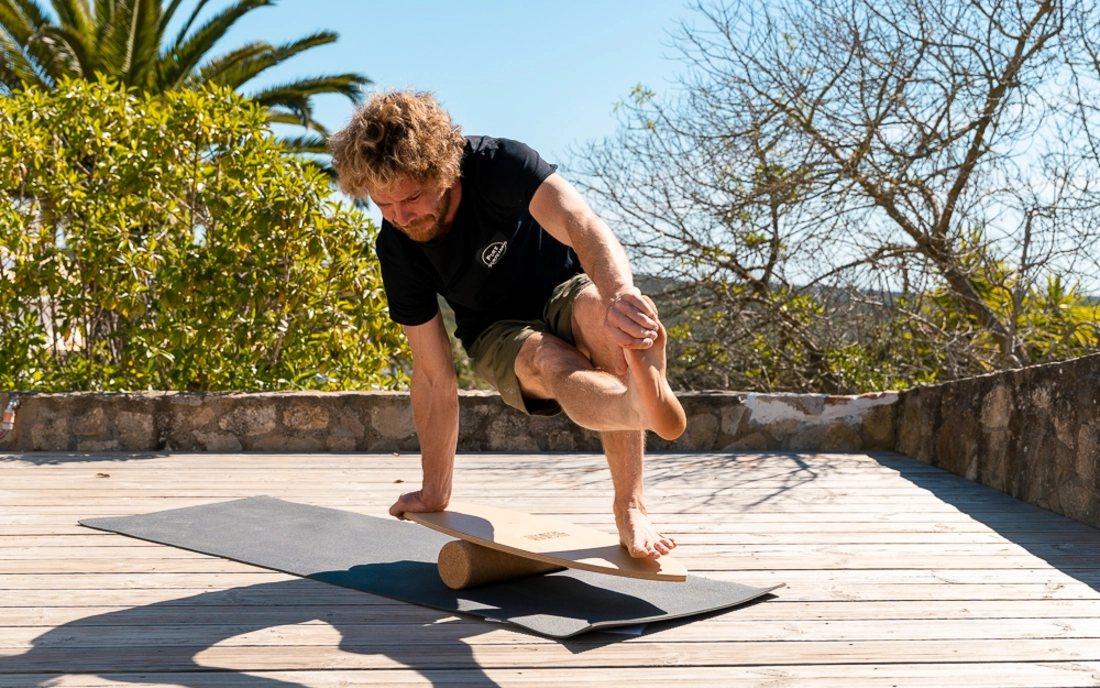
[619, 293]
[435, 495]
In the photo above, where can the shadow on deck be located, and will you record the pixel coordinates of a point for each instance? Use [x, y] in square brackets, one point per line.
[172, 634]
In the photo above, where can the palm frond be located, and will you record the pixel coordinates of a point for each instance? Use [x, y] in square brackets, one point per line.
[187, 52]
[19, 22]
[307, 143]
[69, 52]
[223, 69]
[104, 19]
[113, 45]
[142, 43]
[189, 23]
[292, 101]
[128, 49]
[277, 115]
[19, 69]
[236, 76]
[28, 58]
[31, 11]
[75, 15]
[165, 18]
[348, 85]
[9, 81]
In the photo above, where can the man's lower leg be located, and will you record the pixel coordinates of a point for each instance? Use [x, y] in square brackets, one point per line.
[625, 451]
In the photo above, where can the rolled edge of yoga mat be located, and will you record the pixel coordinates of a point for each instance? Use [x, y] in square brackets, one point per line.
[464, 565]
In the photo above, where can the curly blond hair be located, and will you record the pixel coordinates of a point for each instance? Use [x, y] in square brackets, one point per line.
[397, 134]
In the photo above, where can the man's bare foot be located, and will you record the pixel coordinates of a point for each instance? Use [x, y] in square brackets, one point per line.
[639, 537]
[647, 377]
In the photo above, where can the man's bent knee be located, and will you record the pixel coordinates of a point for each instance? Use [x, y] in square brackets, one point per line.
[529, 367]
[543, 358]
[589, 316]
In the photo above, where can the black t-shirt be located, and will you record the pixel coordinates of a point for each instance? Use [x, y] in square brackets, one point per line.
[496, 263]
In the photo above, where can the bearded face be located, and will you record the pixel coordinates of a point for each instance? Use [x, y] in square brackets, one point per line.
[422, 211]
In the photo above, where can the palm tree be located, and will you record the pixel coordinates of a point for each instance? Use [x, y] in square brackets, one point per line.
[125, 40]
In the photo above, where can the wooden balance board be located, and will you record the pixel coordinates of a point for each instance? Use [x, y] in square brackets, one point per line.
[500, 544]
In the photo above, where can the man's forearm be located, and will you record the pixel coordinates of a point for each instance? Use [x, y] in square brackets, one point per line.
[435, 410]
[631, 320]
[602, 257]
[561, 211]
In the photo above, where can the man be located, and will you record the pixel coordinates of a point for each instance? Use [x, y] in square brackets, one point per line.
[544, 298]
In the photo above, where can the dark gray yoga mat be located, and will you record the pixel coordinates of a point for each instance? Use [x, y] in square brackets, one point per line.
[397, 559]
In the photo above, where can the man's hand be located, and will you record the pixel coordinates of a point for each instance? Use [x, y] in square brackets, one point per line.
[631, 323]
[416, 503]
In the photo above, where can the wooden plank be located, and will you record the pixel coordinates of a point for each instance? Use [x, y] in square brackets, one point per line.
[791, 531]
[825, 585]
[947, 542]
[522, 480]
[586, 477]
[749, 529]
[247, 632]
[592, 476]
[544, 500]
[193, 592]
[53, 547]
[696, 559]
[75, 581]
[991, 675]
[275, 608]
[694, 459]
[516, 486]
[279, 593]
[571, 509]
[685, 460]
[349, 653]
[591, 469]
[339, 612]
[556, 503]
[545, 464]
[104, 477]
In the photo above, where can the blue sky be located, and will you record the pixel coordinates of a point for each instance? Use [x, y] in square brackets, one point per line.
[546, 73]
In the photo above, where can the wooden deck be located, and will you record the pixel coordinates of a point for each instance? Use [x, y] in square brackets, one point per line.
[898, 574]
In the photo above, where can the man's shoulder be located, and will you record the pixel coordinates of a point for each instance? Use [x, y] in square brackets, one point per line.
[508, 171]
[491, 147]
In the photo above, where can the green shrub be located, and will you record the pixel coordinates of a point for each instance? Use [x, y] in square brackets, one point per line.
[169, 242]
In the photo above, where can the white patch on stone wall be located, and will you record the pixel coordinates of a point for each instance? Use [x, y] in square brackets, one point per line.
[822, 408]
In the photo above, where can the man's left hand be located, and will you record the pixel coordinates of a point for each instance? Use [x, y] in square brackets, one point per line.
[415, 502]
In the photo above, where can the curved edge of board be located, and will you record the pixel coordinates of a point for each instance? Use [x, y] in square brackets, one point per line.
[584, 548]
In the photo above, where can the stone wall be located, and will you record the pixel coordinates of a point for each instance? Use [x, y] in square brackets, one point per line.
[381, 421]
[1033, 433]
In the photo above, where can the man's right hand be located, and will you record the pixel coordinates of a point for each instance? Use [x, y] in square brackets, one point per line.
[416, 503]
[631, 323]
[632, 320]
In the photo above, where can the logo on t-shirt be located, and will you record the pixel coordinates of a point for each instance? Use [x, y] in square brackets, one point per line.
[492, 253]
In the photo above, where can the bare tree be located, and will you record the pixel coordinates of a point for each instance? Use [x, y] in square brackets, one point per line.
[858, 193]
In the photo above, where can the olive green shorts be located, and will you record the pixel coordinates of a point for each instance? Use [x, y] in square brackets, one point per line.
[495, 350]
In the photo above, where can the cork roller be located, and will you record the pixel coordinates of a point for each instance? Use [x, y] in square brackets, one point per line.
[464, 565]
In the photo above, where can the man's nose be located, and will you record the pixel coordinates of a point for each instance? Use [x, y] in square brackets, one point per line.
[402, 214]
